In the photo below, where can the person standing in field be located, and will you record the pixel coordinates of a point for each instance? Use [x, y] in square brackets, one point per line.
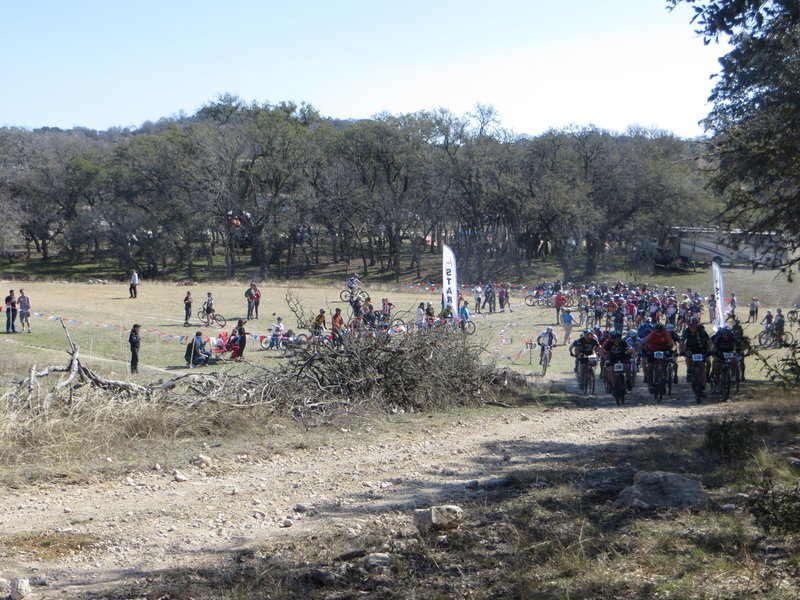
[187, 308]
[24, 305]
[478, 292]
[256, 300]
[250, 295]
[133, 340]
[134, 283]
[568, 320]
[11, 312]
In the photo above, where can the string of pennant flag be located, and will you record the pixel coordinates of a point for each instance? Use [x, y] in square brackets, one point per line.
[184, 339]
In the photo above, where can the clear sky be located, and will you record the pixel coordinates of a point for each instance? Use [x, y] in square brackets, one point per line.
[540, 63]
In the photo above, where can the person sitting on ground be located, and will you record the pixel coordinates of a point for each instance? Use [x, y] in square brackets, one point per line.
[196, 353]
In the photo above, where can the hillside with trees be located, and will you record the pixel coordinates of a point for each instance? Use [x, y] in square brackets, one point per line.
[278, 190]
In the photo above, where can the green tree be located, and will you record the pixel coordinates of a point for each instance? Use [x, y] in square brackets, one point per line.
[755, 120]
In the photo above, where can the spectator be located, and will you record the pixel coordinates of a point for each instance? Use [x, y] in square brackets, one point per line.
[196, 353]
[24, 306]
[568, 320]
[133, 340]
[478, 292]
[256, 300]
[187, 308]
[337, 324]
[250, 295]
[11, 312]
[238, 340]
[134, 284]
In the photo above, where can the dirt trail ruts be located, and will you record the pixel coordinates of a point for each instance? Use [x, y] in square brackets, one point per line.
[148, 522]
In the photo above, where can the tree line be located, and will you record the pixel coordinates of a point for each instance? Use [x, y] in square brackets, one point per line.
[278, 189]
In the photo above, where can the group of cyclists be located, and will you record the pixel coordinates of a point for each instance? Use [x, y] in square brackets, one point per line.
[651, 327]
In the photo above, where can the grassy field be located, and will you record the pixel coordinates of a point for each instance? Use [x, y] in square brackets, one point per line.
[105, 313]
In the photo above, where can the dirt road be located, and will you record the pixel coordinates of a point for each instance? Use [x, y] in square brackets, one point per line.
[146, 522]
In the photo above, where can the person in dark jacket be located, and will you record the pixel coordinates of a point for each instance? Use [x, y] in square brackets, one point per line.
[134, 340]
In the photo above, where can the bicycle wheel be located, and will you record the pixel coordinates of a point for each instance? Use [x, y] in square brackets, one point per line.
[345, 295]
[670, 375]
[203, 316]
[788, 338]
[545, 361]
[591, 380]
[697, 387]
[264, 342]
[469, 327]
[220, 321]
[725, 383]
[530, 300]
[764, 339]
[658, 382]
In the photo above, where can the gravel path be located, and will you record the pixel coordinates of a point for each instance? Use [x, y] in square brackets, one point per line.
[147, 522]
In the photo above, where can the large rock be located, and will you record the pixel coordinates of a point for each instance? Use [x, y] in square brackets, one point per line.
[20, 588]
[658, 489]
[438, 518]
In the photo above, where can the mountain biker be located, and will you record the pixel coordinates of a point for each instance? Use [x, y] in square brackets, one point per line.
[617, 350]
[724, 342]
[584, 347]
[778, 325]
[657, 340]
[547, 338]
[670, 329]
[353, 282]
[695, 340]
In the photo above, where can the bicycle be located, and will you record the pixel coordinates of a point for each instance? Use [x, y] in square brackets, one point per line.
[792, 315]
[547, 355]
[662, 376]
[619, 389]
[728, 378]
[586, 378]
[348, 295]
[213, 317]
[698, 375]
[768, 338]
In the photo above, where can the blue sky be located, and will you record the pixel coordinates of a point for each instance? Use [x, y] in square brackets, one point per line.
[541, 64]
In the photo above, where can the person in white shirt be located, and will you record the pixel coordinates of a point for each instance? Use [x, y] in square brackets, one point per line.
[478, 291]
[277, 333]
[134, 283]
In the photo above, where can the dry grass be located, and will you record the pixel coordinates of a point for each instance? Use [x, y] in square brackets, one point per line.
[47, 546]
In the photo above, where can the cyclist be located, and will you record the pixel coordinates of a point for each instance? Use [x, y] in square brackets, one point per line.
[208, 305]
[547, 338]
[463, 313]
[617, 350]
[657, 340]
[778, 325]
[645, 328]
[584, 347]
[354, 282]
[724, 342]
[670, 329]
[695, 340]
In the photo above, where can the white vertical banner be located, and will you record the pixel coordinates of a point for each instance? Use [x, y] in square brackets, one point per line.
[449, 280]
[719, 291]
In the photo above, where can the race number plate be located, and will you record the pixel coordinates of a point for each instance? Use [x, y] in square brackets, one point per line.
[592, 359]
[727, 355]
[698, 358]
[547, 348]
[658, 354]
[619, 367]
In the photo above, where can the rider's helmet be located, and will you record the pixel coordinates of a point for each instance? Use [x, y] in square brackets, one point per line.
[549, 330]
[725, 331]
[587, 332]
[694, 321]
[322, 311]
[780, 310]
[769, 312]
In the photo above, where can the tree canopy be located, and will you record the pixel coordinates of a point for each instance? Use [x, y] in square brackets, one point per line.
[755, 120]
